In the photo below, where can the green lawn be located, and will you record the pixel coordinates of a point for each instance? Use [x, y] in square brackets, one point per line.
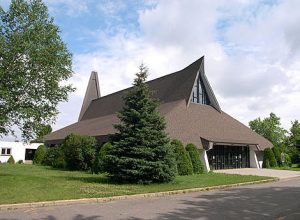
[294, 167]
[29, 183]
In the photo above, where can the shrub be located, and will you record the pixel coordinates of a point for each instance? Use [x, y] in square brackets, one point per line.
[183, 160]
[39, 154]
[54, 157]
[80, 152]
[11, 160]
[277, 153]
[288, 161]
[269, 159]
[194, 154]
[99, 161]
[20, 162]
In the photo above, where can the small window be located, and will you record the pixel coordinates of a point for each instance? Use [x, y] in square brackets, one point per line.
[6, 151]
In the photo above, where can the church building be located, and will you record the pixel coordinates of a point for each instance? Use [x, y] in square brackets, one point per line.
[192, 113]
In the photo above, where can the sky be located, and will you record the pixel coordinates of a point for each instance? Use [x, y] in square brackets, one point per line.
[251, 49]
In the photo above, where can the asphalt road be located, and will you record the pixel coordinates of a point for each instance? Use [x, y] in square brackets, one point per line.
[276, 200]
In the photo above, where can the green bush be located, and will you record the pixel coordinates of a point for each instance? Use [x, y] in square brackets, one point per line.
[99, 161]
[183, 160]
[288, 161]
[277, 153]
[20, 162]
[269, 159]
[11, 160]
[80, 152]
[39, 154]
[55, 157]
[198, 166]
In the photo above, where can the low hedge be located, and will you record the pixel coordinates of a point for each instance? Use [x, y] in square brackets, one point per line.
[11, 160]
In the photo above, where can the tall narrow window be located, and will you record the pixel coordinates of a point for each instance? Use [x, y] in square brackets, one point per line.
[199, 94]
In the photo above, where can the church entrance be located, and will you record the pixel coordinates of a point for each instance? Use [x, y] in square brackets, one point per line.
[228, 157]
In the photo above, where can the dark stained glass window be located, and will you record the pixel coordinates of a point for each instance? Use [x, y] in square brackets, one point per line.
[199, 94]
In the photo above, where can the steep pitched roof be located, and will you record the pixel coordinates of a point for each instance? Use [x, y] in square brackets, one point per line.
[189, 122]
[92, 92]
[169, 88]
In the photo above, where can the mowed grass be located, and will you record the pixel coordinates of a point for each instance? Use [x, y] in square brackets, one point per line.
[294, 167]
[30, 183]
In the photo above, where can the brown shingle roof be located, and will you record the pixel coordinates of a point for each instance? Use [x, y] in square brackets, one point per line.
[169, 88]
[189, 122]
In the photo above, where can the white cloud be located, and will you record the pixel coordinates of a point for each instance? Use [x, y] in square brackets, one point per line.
[251, 54]
[69, 7]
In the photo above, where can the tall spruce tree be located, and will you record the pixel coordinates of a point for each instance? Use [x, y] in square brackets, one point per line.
[141, 151]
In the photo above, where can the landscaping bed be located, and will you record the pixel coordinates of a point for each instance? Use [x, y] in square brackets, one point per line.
[29, 183]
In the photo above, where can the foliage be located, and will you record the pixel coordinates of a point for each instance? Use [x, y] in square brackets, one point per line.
[294, 142]
[43, 130]
[20, 162]
[33, 63]
[295, 134]
[140, 150]
[55, 157]
[288, 161]
[198, 167]
[79, 152]
[183, 160]
[270, 128]
[39, 154]
[277, 153]
[269, 159]
[11, 160]
[99, 166]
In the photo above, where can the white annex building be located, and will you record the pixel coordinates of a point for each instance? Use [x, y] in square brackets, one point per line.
[19, 151]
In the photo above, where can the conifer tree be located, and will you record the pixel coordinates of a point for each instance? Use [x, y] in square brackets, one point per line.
[140, 151]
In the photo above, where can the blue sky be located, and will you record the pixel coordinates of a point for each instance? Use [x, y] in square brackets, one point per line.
[251, 49]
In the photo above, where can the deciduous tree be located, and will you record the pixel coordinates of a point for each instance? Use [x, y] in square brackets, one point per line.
[34, 61]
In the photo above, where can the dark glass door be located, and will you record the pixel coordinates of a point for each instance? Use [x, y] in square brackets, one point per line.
[228, 157]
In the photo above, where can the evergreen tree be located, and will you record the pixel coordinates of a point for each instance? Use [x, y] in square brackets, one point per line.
[39, 154]
[140, 151]
[198, 166]
[183, 160]
[269, 159]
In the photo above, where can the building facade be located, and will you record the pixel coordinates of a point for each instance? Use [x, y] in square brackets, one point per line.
[19, 151]
[192, 113]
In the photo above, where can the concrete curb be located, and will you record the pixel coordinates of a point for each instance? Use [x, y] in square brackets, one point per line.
[8, 207]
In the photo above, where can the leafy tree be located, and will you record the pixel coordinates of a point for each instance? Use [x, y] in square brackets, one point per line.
[294, 142]
[277, 153]
[43, 130]
[183, 160]
[198, 166]
[140, 150]
[11, 160]
[270, 128]
[79, 151]
[39, 154]
[55, 157]
[269, 159]
[33, 62]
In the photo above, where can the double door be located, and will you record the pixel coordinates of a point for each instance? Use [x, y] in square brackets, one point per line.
[228, 157]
